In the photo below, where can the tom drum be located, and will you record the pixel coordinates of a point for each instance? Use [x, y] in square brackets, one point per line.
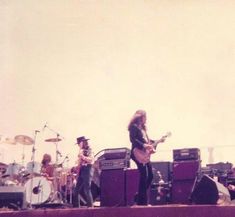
[33, 168]
[13, 170]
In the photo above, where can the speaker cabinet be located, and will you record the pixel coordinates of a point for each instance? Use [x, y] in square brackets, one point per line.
[112, 186]
[164, 168]
[118, 187]
[132, 183]
[209, 191]
[160, 194]
[181, 191]
[185, 170]
[12, 197]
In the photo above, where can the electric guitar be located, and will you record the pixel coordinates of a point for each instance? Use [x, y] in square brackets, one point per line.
[80, 160]
[143, 156]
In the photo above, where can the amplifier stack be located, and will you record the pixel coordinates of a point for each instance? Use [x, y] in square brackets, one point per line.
[118, 187]
[118, 183]
[116, 158]
[186, 154]
[186, 167]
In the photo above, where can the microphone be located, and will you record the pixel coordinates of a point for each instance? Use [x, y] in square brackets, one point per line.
[45, 125]
[66, 158]
[59, 153]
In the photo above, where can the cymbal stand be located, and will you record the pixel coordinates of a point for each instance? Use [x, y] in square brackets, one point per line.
[68, 190]
[57, 151]
[57, 196]
[22, 156]
[33, 163]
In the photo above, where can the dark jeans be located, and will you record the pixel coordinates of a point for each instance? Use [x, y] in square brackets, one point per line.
[146, 177]
[83, 184]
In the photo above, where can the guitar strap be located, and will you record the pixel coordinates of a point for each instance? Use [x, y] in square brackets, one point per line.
[145, 135]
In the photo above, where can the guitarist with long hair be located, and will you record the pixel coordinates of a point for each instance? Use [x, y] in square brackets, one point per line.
[141, 143]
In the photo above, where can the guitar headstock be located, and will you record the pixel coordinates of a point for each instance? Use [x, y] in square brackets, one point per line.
[168, 134]
[155, 143]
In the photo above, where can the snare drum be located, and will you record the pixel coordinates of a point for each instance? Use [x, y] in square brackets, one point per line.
[38, 190]
[33, 168]
[11, 183]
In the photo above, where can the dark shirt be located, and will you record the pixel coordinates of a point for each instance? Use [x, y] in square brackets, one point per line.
[87, 152]
[136, 137]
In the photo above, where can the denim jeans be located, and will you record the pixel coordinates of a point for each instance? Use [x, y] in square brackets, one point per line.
[83, 184]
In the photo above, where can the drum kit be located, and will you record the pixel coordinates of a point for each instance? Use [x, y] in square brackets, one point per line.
[39, 188]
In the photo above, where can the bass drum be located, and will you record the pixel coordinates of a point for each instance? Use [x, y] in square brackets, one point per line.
[38, 190]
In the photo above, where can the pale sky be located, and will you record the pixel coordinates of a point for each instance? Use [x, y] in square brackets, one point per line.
[85, 66]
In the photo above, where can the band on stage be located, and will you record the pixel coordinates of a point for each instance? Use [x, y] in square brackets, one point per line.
[52, 182]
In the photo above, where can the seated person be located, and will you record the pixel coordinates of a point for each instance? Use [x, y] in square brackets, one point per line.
[47, 169]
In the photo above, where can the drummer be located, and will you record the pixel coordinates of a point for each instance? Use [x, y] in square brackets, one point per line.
[47, 168]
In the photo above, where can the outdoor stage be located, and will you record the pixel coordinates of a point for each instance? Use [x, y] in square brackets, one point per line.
[134, 211]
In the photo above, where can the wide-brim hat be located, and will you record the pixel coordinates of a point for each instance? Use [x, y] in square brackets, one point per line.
[81, 138]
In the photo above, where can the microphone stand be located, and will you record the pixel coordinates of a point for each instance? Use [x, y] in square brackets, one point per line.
[33, 163]
[57, 196]
[58, 136]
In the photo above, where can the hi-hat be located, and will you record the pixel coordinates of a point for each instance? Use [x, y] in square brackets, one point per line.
[53, 140]
[24, 140]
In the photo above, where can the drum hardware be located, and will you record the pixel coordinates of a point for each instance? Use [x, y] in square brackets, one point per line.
[23, 140]
[27, 141]
[66, 158]
[55, 141]
[57, 197]
[14, 175]
[65, 181]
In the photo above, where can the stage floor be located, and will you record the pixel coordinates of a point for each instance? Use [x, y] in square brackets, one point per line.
[133, 211]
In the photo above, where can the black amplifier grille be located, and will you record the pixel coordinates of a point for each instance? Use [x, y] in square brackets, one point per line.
[186, 154]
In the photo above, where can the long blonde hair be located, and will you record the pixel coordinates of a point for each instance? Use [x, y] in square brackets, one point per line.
[137, 119]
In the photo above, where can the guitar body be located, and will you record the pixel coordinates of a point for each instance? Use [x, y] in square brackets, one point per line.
[143, 156]
[79, 162]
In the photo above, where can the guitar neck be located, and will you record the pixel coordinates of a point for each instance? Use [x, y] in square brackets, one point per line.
[156, 142]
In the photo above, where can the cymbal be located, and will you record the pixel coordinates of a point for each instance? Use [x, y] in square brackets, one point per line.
[53, 140]
[8, 141]
[24, 140]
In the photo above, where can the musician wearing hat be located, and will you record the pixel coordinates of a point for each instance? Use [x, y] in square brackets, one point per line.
[85, 172]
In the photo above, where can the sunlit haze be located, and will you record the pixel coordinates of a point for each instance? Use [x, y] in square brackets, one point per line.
[84, 67]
